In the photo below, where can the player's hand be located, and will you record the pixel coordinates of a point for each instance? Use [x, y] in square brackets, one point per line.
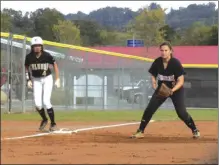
[171, 92]
[57, 83]
[29, 84]
[154, 85]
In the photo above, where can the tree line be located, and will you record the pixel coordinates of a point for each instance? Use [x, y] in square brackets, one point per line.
[111, 26]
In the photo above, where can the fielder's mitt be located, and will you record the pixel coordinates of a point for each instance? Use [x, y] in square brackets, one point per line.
[164, 91]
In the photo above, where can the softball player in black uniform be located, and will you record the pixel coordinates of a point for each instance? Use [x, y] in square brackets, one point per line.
[168, 70]
[37, 62]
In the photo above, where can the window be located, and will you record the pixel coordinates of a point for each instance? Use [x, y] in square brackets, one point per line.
[212, 84]
[201, 93]
[187, 85]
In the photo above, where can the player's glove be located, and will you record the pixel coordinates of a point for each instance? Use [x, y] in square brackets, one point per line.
[29, 84]
[57, 83]
[164, 91]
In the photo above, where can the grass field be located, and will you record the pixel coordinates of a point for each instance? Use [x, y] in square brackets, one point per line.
[133, 115]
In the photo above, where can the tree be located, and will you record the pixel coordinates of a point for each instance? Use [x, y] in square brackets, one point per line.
[6, 22]
[169, 34]
[78, 16]
[154, 6]
[108, 26]
[15, 17]
[148, 25]
[113, 17]
[43, 20]
[185, 17]
[213, 37]
[90, 32]
[197, 34]
[27, 25]
[107, 38]
[122, 37]
[67, 32]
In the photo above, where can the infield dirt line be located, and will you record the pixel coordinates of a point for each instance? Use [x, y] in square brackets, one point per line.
[66, 131]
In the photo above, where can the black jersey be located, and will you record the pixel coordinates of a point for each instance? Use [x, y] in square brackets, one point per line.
[169, 75]
[39, 66]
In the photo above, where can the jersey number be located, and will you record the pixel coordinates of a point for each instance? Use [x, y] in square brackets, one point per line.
[44, 73]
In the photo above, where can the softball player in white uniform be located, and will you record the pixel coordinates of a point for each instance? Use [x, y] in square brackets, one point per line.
[39, 77]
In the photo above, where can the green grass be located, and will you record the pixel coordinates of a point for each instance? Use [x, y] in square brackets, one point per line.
[133, 115]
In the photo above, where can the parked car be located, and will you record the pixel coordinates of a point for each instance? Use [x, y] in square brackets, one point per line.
[135, 92]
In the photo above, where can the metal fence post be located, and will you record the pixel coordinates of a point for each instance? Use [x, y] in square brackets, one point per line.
[118, 85]
[23, 76]
[86, 84]
[103, 84]
[122, 77]
[105, 93]
[132, 93]
[10, 73]
[8, 67]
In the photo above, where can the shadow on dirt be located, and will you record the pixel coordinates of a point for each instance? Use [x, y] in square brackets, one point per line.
[121, 138]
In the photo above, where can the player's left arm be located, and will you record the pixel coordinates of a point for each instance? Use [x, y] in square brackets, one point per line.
[56, 69]
[179, 83]
[179, 73]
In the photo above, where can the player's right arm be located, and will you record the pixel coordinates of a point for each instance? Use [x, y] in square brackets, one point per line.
[27, 72]
[154, 71]
[154, 82]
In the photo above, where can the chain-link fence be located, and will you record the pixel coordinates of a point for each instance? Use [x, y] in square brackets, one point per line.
[90, 79]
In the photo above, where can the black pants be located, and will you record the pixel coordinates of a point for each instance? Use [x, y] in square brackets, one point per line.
[179, 104]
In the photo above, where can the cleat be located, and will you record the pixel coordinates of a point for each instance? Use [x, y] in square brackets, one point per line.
[138, 134]
[53, 127]
[196, 134]
[43, 124]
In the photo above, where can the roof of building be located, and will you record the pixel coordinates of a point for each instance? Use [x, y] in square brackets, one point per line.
[196, 56]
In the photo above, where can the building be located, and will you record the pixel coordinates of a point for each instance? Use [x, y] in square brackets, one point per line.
[99, 74]
[201, 66]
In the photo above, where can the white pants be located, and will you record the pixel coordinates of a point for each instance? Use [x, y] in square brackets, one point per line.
[42, 90]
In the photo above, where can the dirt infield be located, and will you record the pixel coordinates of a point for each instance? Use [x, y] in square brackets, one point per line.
[164, 143]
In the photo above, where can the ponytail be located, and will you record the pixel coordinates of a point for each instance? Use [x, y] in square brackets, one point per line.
[171, 55]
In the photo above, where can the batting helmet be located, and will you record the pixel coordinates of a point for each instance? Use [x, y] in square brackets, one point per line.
[36, 41]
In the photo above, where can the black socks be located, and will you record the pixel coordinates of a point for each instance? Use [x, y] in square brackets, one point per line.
[142, 126]
[145, 119]
[190, 123]
[42, 113]
[51, 115]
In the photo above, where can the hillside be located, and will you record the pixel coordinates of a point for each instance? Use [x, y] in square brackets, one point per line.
[117, 18]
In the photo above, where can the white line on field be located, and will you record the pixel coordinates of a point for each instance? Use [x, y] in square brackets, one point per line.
[67, 131]
[23, 137]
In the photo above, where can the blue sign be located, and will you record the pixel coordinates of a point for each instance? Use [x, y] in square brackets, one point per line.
[135, 43]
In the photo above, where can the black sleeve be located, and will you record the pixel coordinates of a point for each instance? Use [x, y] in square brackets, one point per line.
[27, 63]
[51, 59]
[154, 69]
[178, 69]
